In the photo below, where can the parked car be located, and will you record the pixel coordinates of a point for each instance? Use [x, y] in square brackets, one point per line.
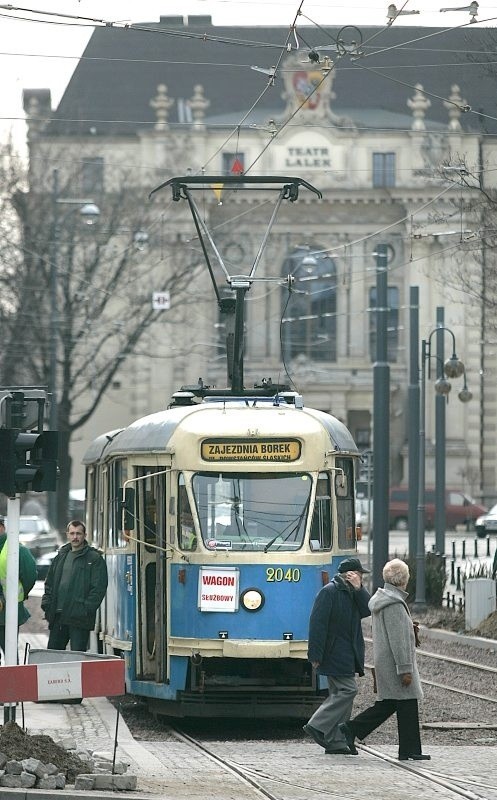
[363, 509]
[487, 523]
[460, 509]
[43, 564]
[37, 535]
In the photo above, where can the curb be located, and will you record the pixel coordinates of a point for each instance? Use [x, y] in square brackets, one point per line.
[54, 794]
[459, 638]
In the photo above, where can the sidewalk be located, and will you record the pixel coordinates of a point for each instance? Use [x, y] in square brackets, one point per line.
[92, 724]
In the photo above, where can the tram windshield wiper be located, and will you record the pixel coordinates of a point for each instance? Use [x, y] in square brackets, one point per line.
[297, 525]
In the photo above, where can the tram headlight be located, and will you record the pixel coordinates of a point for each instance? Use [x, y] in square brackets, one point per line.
[252, 599]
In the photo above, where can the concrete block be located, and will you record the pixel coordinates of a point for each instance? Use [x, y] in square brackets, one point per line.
[68, 743]
[102, 755]
[13, 767]
[125, 783]
[51, 769]
[104, 782]
[84, 782]
[11, 781]
[27, 780]
[60, 780]
[3, 760]
[47, 783]
[119, 783]
[34, 766]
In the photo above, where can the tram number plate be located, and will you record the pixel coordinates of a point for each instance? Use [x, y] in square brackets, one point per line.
[278, 574]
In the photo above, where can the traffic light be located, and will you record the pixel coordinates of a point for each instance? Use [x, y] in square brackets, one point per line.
[44, 458]
[20, 472]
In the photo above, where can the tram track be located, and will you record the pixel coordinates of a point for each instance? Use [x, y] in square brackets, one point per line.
[257, 779]
[240, 772]
[426, 774]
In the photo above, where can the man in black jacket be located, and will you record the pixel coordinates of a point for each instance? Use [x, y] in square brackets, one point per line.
[74, 589]
[336, 649]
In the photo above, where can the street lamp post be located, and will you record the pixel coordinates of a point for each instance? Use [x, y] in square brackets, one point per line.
[452, 368]
[440, 445]
[381, 420]
[89, 213]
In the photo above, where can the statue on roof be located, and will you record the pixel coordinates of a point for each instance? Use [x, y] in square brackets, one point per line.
[419, 105]
[161, 103]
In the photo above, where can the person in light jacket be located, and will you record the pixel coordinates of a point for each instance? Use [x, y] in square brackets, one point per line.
[27, 578]
[397, 678]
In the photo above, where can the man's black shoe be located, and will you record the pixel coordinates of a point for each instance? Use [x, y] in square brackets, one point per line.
[338, 751]
[415, 757]
[349, 737]
[315, 734]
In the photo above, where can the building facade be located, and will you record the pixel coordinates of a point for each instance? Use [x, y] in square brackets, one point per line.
[399, 167]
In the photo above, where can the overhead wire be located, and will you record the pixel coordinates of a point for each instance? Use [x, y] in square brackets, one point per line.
[238, 127]
[169, 32]
[269, 84]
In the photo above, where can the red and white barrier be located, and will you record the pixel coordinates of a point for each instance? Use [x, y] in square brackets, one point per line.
[62, 680]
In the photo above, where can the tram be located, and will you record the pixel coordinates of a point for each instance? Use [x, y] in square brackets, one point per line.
[220, 518]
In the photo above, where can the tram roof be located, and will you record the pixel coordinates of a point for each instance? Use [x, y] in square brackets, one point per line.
[153, 433]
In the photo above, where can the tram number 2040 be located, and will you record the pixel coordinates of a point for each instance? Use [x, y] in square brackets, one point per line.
[277, 574]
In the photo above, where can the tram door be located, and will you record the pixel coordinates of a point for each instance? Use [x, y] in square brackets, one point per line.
[151, 575]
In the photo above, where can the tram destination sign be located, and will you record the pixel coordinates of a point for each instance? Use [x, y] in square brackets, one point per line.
[251, 449]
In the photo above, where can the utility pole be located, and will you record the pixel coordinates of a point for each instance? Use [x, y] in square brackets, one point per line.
[381, 421]
[413, 416]
[52, 383]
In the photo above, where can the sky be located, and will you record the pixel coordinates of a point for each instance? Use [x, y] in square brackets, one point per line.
[44, 54]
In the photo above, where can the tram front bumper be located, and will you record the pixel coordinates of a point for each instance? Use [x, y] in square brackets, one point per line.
[237, 648]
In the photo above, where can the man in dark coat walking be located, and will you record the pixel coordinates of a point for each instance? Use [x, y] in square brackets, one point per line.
[336, 649]
[74, 589]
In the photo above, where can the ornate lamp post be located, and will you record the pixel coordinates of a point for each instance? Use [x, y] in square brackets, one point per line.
[452, 368]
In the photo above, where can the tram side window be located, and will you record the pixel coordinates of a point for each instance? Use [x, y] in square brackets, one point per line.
[344, 490]
[117, 474]
[187, 538]
[321, 525]
[148, 506]
[91, 507]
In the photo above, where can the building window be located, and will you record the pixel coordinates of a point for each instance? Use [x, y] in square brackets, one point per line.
[383, 170]
[233, 163]
[92, 176]
[184, 111]
[309, 315]
[392, 323]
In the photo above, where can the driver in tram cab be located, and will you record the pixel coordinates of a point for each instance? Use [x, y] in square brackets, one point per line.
[188, 537]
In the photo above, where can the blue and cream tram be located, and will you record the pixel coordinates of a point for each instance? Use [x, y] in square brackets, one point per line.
[220, 519]
[237, 512]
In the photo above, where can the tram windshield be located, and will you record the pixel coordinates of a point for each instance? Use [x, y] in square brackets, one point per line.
[240, 511]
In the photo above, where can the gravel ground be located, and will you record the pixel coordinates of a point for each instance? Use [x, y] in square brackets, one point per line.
[439, 705]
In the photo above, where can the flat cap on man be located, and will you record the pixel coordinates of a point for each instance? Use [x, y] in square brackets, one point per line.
[351, 565]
